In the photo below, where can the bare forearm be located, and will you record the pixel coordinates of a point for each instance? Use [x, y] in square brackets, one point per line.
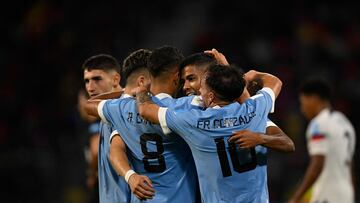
[107, 95]
[276, 139]
[312, 173]
[278, 142]
[91, 108]
[270, 81]
[147, 109]
[118, 158]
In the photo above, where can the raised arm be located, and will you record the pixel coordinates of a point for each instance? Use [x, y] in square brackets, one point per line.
[268, 80]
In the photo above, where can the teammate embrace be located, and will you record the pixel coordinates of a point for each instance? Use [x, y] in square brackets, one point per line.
[214, 140]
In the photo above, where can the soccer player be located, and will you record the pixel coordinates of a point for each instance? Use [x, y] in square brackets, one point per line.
[226, 173]
[194, 67]
[101, 74]
[166, 160]
[331, 144]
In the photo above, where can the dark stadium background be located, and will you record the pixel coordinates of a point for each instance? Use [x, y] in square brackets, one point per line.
[45, 42]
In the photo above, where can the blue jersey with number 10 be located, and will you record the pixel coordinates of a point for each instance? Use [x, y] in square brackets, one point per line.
[226, 173]
[166, 160]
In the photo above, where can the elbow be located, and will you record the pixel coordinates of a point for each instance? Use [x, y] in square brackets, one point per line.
[291, 147]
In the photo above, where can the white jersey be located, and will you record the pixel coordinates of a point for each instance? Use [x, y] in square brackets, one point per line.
[331, 134]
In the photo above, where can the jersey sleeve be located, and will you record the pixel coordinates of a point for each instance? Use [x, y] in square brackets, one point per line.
[173, 120]
[269, 123]
[109, 110]
[264, 101]
[317, 140]
[113, 134]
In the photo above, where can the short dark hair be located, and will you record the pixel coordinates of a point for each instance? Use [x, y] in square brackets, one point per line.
[198, 59]
[163, 59]
[316, 86]
[226, 81]
[135, 61]
[253, 86]
[103, 62]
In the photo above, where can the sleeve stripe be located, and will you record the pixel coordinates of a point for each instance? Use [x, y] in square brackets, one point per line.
[113, 134]
[270, 123]
[162, 120]
[100, 111]
[317, 137]
[272, 95]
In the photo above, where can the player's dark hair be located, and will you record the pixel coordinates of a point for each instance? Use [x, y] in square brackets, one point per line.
[164, 59]
[227, 82]
[198, 59]
[254, 86]
[103, 62]
[135, 61]
[316, 86]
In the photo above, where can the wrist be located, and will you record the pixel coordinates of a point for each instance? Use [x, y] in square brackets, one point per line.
[128, 174]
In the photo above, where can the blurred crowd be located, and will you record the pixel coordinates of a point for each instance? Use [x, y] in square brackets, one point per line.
[42, 136]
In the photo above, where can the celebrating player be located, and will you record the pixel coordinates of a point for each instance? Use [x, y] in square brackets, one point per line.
[243, 178]
[101, 74]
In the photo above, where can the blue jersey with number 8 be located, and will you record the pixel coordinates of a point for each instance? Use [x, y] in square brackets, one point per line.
[166, 160]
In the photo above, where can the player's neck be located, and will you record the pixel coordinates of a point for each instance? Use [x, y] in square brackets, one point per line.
[321, 106]
[219, 103]
[158, 87]
[117, 89]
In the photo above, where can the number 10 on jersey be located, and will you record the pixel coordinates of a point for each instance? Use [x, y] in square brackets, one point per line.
[241, 159]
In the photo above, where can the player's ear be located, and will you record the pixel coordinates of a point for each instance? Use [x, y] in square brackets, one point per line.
[141, 81]
[116, 80]
[211, 97]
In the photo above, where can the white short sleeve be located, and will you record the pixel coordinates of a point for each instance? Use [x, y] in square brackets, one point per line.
[113, 134]
[101, 112]
[162, 120]
[318, 145]
[272, 95]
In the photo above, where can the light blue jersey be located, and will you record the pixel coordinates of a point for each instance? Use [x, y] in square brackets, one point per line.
[112, 187]
[166, 160]
[226, 173]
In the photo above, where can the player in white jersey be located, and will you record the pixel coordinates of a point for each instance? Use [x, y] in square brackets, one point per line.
[331, 144]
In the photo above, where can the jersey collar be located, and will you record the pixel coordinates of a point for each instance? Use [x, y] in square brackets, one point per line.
[163, 95]
[126, 96]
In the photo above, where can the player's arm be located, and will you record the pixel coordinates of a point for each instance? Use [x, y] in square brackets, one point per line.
[312, 173]
[107, 95]
[146, 107]
[91, 108]
[140, 185]
[274, 139]
[267, 79]
[82, 100]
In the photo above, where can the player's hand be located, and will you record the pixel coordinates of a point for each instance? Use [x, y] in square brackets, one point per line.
[141, 186]
[246, 139]
[220, 58]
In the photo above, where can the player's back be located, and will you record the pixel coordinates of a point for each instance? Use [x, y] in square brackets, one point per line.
[112, 188]
[332, 135]
[166, 160]
[226, 173]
